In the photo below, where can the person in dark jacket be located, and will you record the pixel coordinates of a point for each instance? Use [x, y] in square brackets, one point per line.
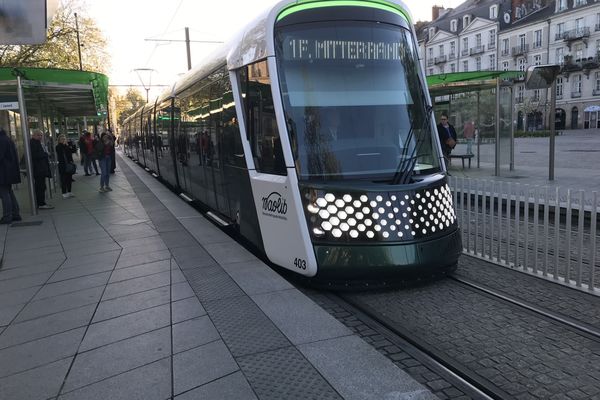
[64, 156]
[9, 175]
[445, 132]
[41, 168]
[104, 150]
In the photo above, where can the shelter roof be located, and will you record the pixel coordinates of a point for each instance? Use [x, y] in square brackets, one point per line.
[70, 93]
[463, 82]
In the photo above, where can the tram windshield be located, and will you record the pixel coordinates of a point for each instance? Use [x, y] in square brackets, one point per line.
[353, 101]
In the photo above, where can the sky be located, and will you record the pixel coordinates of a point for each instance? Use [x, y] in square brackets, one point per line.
[132, 27]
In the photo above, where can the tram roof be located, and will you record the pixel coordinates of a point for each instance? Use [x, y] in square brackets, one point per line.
[70, 93]
[463, 82]
[255, 41]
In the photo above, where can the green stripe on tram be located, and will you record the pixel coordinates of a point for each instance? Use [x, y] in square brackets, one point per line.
[381, 5]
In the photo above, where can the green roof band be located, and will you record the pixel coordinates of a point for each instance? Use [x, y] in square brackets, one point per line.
[343, 3]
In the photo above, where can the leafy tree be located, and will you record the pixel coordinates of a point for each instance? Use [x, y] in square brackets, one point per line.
[127, 104]
[60, 48]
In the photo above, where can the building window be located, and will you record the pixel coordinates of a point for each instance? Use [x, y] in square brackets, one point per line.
[560, 56]
[430, 71]
[453, 25]
[505, 66]
[537, 59]
[561, 5]
[536, 95]
[522, 41]
[505, 47]
[494, 12]
[560, 30]
[452, 68]
[478, 40]
[442, 69]
[559, 87]
[430, 53]
[465, 66]
[577, 84]
[478, 63]
[466, 21]
[578, 3]
[492, 41]
[520, 92]
[431, 33]
[597, 83]
[578, 51]
[579, 25]
[441, 50]
[522, 62]
[492, 62]
[465, 44]
[537, 38]
[452, 49]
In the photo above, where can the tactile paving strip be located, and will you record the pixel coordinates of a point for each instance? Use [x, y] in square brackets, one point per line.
[285, 374]
[212, 283]
[243, 326]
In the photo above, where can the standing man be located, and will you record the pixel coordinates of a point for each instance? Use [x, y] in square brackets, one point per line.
[41, 168]
[447, 135]
[9, 175]
[469, 134]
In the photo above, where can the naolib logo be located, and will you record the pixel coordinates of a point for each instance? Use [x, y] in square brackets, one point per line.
[274, 206]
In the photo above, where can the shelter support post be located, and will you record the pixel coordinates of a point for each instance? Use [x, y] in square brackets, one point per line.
[512, 130]
[26, 146]
[478, 131]
[497, 147]
[552, 131]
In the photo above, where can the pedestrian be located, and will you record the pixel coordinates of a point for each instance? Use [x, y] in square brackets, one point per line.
[104, 151]
[469, 134]
[113, 161]
[9, 175]
[41, 168]
[447, 135]
[66, 167]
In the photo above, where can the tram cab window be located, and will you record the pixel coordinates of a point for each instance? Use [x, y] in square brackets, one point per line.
[261, 123]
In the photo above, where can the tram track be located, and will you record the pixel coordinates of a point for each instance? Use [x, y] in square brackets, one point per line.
[468, 376]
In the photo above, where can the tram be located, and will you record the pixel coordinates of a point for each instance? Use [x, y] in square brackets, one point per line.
[312, 134]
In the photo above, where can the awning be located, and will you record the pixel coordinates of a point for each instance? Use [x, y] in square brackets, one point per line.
[463, 82]
[593, 108]
[70, 93]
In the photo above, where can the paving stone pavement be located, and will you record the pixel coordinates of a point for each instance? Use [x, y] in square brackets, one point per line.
[134, 295]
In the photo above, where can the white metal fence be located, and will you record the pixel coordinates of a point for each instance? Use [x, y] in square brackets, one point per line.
[547, 232]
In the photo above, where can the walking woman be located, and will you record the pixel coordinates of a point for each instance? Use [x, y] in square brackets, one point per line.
[104, 151]
[66, 166]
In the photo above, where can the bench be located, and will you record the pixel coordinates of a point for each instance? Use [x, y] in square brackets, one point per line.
[462, 158]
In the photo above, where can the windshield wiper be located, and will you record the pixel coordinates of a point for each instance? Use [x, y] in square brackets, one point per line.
[406, 167]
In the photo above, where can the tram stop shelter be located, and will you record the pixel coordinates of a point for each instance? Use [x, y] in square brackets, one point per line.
[41, 98]
[483, 97]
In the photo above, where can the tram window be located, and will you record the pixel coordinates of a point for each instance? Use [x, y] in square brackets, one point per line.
[261, 123]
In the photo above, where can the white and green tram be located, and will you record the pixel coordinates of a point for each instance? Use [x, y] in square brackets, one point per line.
[312, 134]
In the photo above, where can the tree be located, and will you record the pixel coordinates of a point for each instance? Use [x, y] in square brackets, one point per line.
[60, 48]
[126, 105]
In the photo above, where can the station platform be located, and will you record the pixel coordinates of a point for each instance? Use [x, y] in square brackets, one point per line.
[133, 294]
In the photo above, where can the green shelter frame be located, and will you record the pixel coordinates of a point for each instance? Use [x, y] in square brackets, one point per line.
[477, 81]
[50, 93]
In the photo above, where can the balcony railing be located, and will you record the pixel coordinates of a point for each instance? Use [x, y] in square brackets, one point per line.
[575, 95]
[505, 52]
[430, 62]
[451, 56]
[440, 59]
[464, 52]
[596, 92]
[597, 27]
[559, 97]
[520, 50]
[576, 34]
[476, 50]
[491, 46]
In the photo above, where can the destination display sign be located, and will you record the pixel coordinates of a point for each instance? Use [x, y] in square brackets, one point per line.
[359, 50]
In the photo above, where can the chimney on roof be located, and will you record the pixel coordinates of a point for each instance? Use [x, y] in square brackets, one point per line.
[435, 12]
